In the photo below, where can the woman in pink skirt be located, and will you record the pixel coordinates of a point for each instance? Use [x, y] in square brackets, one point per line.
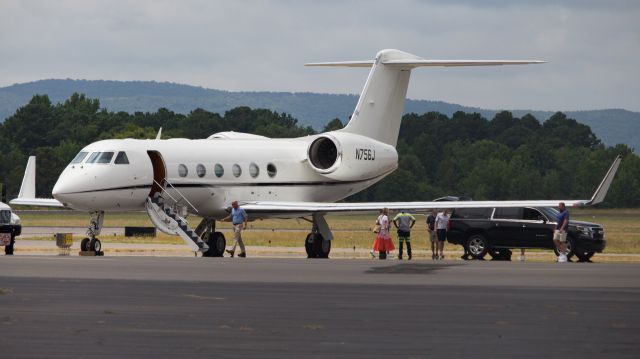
[383, 243]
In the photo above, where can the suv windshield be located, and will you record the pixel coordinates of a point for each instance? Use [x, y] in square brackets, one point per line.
[5, 216]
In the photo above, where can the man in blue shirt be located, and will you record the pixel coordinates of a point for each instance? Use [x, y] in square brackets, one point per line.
[239, 219]
[560, 234]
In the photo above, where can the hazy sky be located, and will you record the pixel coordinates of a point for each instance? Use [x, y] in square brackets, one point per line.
[593, 47]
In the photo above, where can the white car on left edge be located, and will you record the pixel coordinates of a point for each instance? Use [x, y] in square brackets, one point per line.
[10, 228]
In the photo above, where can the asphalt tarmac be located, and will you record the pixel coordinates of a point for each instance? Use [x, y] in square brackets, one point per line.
[85, 307]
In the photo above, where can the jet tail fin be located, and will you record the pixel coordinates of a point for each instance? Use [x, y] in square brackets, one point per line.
[381, 104]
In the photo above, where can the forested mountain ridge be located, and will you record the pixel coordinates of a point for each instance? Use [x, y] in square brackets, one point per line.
[612, 126]
[507, 157]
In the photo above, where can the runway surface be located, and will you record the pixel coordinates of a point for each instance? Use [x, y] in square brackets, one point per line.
[259, 307]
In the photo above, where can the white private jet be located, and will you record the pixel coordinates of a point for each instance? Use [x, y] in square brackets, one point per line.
[281, 178]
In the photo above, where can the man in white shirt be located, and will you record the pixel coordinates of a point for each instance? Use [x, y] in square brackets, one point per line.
[442, 222]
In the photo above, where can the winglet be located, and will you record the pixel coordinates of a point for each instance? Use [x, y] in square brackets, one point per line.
[159, 135]
[603, 188]
[28, 187]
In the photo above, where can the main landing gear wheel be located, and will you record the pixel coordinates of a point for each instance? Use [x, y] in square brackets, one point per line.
[217, 243]
[95, 245]
[316, 246]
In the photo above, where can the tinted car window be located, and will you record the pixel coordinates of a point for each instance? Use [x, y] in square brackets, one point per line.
[473, 213]
[508, 213]
[531, 214]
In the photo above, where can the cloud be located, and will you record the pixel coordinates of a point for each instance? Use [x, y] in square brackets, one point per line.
[261, 45]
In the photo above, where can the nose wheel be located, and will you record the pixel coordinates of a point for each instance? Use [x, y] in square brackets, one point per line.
[92, 243]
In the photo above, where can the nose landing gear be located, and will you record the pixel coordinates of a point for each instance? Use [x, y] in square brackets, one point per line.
[92, 244]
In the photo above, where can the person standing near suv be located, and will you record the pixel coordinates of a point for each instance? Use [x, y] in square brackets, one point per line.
[560, 234]
[404, 221]
[442, 220]
[431, 229]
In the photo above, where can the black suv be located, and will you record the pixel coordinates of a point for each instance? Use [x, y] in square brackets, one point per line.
[496, 230]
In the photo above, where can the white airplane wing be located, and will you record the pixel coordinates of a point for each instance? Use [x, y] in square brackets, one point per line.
[307, 208]
[27, 195]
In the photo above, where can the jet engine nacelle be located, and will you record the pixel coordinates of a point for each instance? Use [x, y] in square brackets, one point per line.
[348, 157]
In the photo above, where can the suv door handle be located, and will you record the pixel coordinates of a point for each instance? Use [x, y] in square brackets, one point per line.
[524, 226]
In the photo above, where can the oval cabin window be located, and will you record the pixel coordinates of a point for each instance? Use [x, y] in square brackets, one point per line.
[218, 170]
[271, 170]
[237, 171]
[201, 170]
[183, 171]
[254, 170]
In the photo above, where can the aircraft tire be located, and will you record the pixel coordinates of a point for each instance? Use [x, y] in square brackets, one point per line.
[322, 247]
[95, 245]
[217, 243]
[84, 245]
[309, 246]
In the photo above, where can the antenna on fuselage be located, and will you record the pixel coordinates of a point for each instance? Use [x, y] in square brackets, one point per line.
[159, 134]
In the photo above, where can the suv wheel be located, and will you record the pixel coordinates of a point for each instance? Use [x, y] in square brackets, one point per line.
[478, 246]
[571, 245]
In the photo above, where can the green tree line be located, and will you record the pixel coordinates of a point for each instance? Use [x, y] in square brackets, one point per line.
[502, 158]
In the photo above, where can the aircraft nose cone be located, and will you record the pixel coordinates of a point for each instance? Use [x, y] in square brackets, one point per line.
[61, 191]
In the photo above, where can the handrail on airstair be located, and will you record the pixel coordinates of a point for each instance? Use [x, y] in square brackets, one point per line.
[180, 193]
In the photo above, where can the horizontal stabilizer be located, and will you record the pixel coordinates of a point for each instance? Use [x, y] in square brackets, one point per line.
[412, 63]
[365, 63]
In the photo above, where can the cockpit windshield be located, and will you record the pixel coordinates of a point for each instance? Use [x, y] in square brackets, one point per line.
[79, 157]
[102, 158]
[121, 159]
[93, 157]
[105, 157]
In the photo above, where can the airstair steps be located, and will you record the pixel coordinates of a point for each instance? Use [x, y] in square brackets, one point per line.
[170, 222]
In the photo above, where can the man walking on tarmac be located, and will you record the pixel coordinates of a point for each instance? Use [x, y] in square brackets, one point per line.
[404, 222]
[239, 219]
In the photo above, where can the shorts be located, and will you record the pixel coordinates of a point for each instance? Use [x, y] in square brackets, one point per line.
[432, 236]
[559, 235]
[442, 235]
